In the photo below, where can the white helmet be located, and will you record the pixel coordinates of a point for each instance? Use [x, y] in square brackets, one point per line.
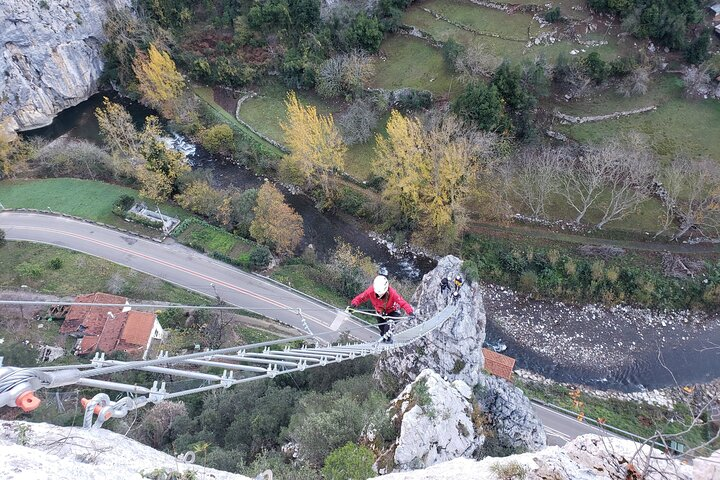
[380, 285]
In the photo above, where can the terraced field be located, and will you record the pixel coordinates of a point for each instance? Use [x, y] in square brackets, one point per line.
[505, 35]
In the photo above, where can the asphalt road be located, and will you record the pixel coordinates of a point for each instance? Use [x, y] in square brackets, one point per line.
[186, 268]
[189, 269]
[561, 428]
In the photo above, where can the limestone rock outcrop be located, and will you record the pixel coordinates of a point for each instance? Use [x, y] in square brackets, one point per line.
[454, 349]
[435, 419]
[51, 57]
[511, 415]
[47, 452]
[589, 457]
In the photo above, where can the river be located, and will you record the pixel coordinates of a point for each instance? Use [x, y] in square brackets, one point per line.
[623, 348]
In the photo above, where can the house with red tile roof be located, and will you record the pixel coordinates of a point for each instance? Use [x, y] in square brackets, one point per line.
[109, 328]
[498, 364]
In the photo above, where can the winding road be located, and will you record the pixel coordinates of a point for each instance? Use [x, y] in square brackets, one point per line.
[186, 268]
[191, 270]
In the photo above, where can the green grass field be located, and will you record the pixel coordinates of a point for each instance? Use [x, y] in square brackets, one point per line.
[214, 241]
[265, 112]
[518, 26]
[29, 264]
[300, 277]
[412, 62]
[206, 95]
[84, 198]
[678, 124]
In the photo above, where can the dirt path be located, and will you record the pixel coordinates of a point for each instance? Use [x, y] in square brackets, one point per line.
[545, 234]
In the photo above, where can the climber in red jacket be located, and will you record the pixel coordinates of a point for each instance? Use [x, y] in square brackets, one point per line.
[386, 302]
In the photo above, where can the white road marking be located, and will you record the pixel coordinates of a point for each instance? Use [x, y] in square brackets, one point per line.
[339, 320]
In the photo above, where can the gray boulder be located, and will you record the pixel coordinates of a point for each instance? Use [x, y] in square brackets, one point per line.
[436, 421]
[510, 415]
[454, 349]
[50, 56]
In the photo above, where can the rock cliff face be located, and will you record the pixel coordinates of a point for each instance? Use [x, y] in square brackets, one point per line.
[435, 420]
[515, 425]
[589, 457]
[43, 452]
[50, 57]
[453, 350]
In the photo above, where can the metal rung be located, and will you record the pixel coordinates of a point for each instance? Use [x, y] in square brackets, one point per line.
[173, 371]
[237, 358]
[245, 368]
[120, 387]
[281, 356]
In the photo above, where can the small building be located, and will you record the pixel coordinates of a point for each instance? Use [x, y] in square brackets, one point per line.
[715, 8]
[110, 328]
[498, 364]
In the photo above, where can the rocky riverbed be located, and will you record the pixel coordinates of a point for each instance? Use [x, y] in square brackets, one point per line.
[608, 347]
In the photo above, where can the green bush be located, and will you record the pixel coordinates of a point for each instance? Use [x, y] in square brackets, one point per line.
[451, 51]
[123, 203]
[412, 99]
[350, 462]
[482, 106]
[260, 257]
[553, 15]
[56, 263]
[2, 238]
[564, 275]
[470, 269]
[134, 217]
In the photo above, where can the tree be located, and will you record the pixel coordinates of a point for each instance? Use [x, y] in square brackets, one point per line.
[365, 33]
[697, 51]
[155, 424]
[159, 82]
[693, 195]
[118, 131]
[276, 224]
[535, 177]
[350, 462]
[14, 153]
[429, 173]
[481, 106]
[344, 74]
[240, 214]
[200, 197]
[154, 185]
[2, 238]
[316, 147]
[697, 81]
[218, 139]
[475, 61]
[595, 67]
[627, 183]
[358, 122]
[636, 83]
[582, 181]
[158, 157]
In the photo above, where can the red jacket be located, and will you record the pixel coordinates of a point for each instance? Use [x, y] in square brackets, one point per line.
[390, 302]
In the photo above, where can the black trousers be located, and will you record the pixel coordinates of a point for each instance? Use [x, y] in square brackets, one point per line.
[384, 324]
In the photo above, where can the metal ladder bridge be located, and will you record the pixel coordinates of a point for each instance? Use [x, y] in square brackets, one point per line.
[239, 364]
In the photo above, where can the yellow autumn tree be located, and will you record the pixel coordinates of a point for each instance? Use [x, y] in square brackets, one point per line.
[276, 224]
[159, 81]
[429, 173]
[118, 130]
[316, 146]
